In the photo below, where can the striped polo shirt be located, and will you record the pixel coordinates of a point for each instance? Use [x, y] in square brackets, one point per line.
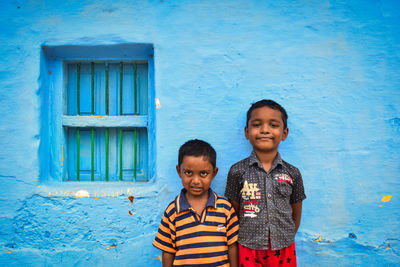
[198, 240]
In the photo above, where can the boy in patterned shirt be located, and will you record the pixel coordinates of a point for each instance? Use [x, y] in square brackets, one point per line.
[266, 192]
[199, 227]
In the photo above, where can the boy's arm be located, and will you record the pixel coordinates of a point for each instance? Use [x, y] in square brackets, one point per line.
[296, 213]
[167, 259]
[236, 206]
[233, 255]
[232, 189]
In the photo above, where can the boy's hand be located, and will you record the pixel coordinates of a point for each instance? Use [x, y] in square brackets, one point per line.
[167, 259]
[296, 214]
[233, 255]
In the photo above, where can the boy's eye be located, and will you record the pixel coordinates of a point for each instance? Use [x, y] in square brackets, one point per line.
[203, 174]
[274, 125]
[187, 172]
[256, 124]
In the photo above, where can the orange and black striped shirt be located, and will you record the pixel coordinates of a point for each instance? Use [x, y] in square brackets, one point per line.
[198, 240]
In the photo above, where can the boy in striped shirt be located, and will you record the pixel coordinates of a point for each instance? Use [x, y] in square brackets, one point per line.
[199, 227]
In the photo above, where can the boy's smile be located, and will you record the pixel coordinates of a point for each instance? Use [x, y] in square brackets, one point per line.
[196, 174]
[265, 129]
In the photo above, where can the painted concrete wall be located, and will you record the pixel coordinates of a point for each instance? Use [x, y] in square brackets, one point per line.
[334, 65]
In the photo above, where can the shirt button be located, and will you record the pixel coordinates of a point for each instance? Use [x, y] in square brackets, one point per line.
[269, 196]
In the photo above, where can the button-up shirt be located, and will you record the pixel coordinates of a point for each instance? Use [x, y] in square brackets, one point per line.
[265, 198]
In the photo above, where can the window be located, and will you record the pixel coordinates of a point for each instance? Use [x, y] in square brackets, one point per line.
[104, 117]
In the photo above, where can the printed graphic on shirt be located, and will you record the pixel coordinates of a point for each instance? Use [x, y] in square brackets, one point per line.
[249, 190]
[283, 178]
[251, 201]
[251, 215]
[251, 208]
[220, 227]
[251, 196]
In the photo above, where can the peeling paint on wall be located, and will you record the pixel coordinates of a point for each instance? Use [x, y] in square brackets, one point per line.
[80, 194]
[386, 198]
[318, 238]
[158, 103]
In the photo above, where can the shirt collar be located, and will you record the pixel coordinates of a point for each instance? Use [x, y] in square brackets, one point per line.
[182, 204]
[253, 159]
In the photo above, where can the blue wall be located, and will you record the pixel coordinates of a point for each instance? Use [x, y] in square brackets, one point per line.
[334, 65]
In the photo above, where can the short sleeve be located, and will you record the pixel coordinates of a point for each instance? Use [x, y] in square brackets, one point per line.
[297, 189]
[165, 238]
[232, 227]
[232, 189]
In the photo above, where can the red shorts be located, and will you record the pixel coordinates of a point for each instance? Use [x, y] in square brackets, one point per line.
[261, 258]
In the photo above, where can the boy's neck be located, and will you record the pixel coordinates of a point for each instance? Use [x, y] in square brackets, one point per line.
[197, 203]
[266, 158]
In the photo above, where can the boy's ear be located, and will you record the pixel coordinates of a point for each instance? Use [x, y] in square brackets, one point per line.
[285, 134]
[178, 170]
[246, 133]
[215, 172]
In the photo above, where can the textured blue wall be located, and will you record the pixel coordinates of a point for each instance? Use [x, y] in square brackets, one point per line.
[334, 65]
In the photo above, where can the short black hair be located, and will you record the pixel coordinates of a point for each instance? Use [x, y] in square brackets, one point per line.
[271, 104]
[197, 148]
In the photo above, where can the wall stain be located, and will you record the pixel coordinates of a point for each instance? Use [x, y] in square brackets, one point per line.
[62, 152]
[318, 238]
[131, 198]
[352, 236]
[386, 198]
[395, 121]
[395, 124]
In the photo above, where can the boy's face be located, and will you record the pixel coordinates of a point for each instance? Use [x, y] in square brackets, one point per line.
[196, 174]
[265, 129]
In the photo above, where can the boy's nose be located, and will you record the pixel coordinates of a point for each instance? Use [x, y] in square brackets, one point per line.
[264, 128]
[196, 179]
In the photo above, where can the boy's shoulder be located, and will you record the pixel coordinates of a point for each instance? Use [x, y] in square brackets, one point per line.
[171, 208]
[293, 170]
[241, 164]
[222, 204]
[222, 200]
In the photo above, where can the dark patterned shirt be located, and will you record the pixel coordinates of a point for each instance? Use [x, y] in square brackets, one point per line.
[265, 200]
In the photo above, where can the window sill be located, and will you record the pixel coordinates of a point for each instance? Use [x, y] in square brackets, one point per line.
[105, 121]
[98, 189]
